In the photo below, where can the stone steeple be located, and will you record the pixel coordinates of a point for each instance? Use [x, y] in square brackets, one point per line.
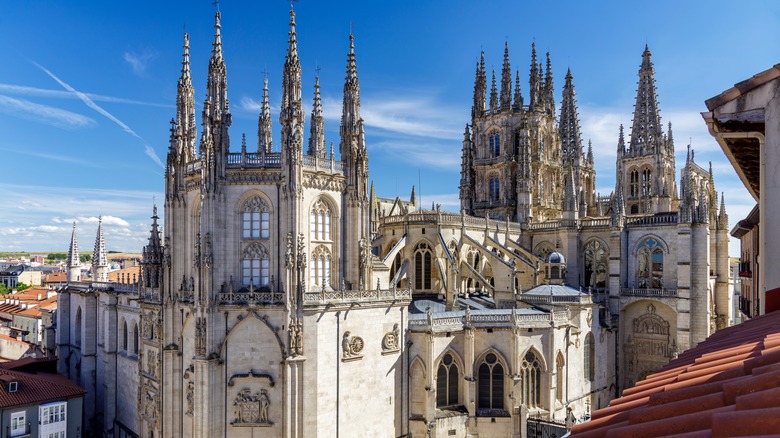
[291, 115]
[647, 136]
[493, 94]
[534, 81]
[215, 141]
[549, 97]
[264, 133]
[74, 260]
[480, 88]
[152, 256]
[186, 131]
[467, 173]
[317, 126]
[506, 81]
[569, 125]
[350, 114]
[99, 258]
[518, 94]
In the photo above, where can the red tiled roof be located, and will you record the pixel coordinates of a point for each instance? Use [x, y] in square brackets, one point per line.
[37, 388]
[729, 385]
[56, 277]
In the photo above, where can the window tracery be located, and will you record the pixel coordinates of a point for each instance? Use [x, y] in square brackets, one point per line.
[320, 221]
[255, 219]
[531, 378]
[447, 382]
[490, 395]
[320, 267]
[422, 267]
[650, 261]
[595, 255]
[255, 265]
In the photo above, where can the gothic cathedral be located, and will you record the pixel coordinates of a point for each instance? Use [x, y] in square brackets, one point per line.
[281, 297]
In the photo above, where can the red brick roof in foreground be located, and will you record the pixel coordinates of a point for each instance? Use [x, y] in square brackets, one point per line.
[729, 385]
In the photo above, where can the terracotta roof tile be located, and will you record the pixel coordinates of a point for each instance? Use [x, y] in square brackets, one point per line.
[729, 385]
[37, 388]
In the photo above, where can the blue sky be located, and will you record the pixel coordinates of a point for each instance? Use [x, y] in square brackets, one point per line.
[87, 90]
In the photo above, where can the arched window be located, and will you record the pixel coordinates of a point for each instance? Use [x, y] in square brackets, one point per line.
[650, 258]
[422, 267]
[646, 182]
[490, 394]
[495, 189]
[595, 256]
[255, 266]
[531, 378]
[590, 358]
[256, 219]
[135, 337]
[395, 266]
[495, 145]
[634, 184]
[319, 222]
[447, 382]
[319, 271]
[559, 366]
[78, 328]
[124, 335]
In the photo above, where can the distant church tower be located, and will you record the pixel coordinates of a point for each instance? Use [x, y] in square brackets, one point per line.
[99, 258]
[645, 170]
[74, 260]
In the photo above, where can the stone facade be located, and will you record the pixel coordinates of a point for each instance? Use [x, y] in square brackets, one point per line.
[282, 297]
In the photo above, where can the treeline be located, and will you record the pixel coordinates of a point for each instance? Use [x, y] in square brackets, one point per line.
[58, 256]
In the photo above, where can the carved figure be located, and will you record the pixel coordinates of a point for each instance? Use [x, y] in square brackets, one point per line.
[190, 397]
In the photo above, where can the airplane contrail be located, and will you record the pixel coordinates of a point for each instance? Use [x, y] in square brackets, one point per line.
[90, 103]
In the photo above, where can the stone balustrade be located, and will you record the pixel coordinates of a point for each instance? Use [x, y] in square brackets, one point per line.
[356, 296]
[650, 293]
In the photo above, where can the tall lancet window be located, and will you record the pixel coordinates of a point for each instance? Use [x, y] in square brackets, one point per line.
[319, 271]
[650, 259]
[490, 386]
[422, 267]
[319, 221]
[531, 378]
[495, 189]
[495, 145]
[256, 219]
[595, 256]
[255, 266]
[646, 182]
[633, 184]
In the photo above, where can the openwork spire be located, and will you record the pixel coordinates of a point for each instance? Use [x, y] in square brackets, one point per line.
[480, 88]
[291, 115]
[506, 81]
[185, 129]
[621, 146]
[99, 257]
[264, 134]
[518, 94]
[216, 108]
[569, 125]
[549, 97]
[73, 251]
[317, 128]
[351, 123]
[493, 94]
[534, 80]
[647, 131]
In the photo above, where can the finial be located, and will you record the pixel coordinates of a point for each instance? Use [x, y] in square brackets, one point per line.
[215, 3]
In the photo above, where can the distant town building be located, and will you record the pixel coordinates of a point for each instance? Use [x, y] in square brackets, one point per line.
[12, 275]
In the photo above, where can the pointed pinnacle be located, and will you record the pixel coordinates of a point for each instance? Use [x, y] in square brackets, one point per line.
[217, 49]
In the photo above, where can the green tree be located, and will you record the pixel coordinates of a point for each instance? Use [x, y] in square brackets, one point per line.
[85, 258]
[4, 289]
[21, 286]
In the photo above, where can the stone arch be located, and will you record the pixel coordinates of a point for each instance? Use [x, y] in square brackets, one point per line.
[595, 266]
[329, 201]
[455, 356]
[251, 195]
[649, 339]
[491, 370]
[501, 358]
[124, 334]
[417, 387]
[539, 355]
[79, 327]
[448, 378]
[243, 320]
[661, 242]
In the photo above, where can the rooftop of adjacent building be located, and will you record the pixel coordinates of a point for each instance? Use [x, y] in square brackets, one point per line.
[37, 382]
[728, 385]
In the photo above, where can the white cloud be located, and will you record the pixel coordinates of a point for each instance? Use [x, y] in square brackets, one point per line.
[448, 201]
[139, 61]
[24, 90]
[107, 220]
[250, 105]
[90, 103]
[46, 114]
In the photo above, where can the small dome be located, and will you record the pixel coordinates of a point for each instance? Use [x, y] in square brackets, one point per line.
[556, 257]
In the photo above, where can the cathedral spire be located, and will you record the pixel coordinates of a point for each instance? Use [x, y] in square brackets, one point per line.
[216, 108]
[493, 94]
[74, 260]
[350, 112]
[480, 88]
[534, 80]
[151, 266]
[264, 134]
[506, 81]
[723, 218]
[621, 146]
[185, 108]
[518, 93]
[99, 258]
[647, 131]
[569, 125]
[291, 115]
[549, 97]
[317, 128]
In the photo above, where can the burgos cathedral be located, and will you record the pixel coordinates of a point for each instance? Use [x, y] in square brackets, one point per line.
[282, 298]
